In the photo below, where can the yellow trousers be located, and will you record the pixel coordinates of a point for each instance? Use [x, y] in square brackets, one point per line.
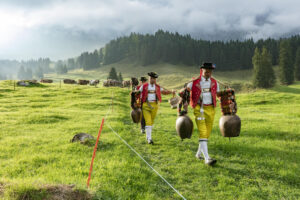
[204, 126]
[149, 114]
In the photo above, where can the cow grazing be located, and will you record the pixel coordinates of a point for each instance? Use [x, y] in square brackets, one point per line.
[69, 81]
[126, 83]
[83, 82]
[27, 82]
[112, 83]
[46, 81]
[94, 82]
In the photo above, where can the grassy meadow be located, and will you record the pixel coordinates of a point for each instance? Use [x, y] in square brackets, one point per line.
[170, 76]
[38, 161]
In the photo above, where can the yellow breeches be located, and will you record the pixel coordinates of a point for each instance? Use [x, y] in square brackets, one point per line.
[204, 126]
[149, 114]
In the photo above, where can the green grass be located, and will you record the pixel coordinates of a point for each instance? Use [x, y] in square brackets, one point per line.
[37, 123]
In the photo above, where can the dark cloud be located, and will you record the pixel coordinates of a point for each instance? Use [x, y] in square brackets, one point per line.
[62, 28]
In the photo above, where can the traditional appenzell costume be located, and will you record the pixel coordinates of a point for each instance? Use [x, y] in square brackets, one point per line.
[143, 124]
[203, 101]
[151, 95]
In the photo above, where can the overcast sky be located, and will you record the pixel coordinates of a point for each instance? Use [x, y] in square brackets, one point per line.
[64, 28]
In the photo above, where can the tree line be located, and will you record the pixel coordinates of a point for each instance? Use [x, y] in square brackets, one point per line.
[174, 48]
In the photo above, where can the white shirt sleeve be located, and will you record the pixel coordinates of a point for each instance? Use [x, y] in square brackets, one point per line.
[161, 89]
[141, 88]
[218, 89]
[190, 85]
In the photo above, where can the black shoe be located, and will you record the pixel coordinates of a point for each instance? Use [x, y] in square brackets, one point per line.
[199, 156]
[150, 142]
[210, 162]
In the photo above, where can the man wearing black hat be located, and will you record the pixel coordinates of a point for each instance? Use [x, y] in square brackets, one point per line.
[203, 100]
[151, 94]
[143, 80]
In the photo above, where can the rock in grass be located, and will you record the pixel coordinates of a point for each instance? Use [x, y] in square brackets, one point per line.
[82, 137]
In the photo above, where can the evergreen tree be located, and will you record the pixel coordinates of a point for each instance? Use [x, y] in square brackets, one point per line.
[113, 74]
[120, 78]
[268, 72]
[71, 63]
[21, 73]
[264, 76]
[286, 67]
[256, 61]
[64, 69]
[28, 74]
[60, 68]
[297, 65]
[39, 73]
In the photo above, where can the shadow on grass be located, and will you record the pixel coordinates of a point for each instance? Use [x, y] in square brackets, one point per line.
[46, 119]
[268, 162]
[285, 89]
[268, 135]
[6, 90]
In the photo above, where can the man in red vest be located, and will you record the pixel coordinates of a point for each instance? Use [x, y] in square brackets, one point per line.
[203, 100]
[151, 95]
[143, 80]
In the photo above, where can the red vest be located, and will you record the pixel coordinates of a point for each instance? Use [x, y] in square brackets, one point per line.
[145, 92]
[196, 91]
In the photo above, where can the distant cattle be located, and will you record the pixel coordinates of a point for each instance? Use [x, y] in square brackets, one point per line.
[22, 83]
[126, 83]
[83, 82]
[27, 82]
[112, 83]
[94, 82]
[69, 81]
[46, 81]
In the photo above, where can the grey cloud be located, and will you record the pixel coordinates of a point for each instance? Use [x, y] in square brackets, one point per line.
[63, 28]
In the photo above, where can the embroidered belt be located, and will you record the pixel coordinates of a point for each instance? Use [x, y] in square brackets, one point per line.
[151, 92]
[206, 90]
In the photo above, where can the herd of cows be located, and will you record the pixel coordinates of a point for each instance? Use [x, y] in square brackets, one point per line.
[107, 83]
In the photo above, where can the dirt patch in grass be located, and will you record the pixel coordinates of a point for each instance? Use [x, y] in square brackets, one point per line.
[52, 192]
[1, 189]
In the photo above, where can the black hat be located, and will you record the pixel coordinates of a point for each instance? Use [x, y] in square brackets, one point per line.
[143, 78]
[208, 65]
[153, 74]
